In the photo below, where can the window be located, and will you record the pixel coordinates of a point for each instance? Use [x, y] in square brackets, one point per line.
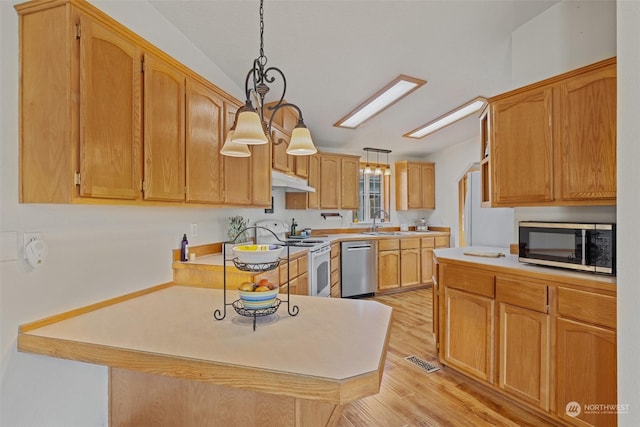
[374, 195]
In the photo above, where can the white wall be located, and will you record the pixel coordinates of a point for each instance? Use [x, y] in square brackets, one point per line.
[94, 252]
[628, 31]
[451, 165]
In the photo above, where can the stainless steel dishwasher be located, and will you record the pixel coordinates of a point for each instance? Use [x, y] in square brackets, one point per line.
[358, 266]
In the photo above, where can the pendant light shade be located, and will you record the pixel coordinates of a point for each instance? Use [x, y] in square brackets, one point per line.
[233, 149]
[249, 129]
[377, 170]
[301, 143]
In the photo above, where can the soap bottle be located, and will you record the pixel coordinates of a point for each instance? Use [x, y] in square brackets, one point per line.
[293, 227]
[184, 249]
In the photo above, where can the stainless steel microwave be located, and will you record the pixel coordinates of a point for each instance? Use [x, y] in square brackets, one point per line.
[577, 246]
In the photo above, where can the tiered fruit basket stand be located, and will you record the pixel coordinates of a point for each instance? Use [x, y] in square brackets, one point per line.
[237, 305]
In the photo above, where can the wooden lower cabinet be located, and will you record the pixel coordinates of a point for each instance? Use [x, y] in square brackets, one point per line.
[524, 354]
[468, 333]
[410, 262]
[298, 277]
[388, 264]
[586, 373]
[336, 289]
[552, 340]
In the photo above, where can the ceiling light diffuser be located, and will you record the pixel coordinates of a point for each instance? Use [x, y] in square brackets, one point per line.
[453, 116]
[397, 89]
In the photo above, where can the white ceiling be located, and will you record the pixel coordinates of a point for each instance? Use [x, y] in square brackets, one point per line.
[336, 53]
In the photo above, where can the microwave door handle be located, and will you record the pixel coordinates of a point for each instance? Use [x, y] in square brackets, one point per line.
[584, 247]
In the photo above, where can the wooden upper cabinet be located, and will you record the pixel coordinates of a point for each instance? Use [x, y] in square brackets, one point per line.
[415, 185]
[237, 170]
[281, 160]
[204, 139]
[313, 199]
[350, 182]
[109, 113]
[302, 166]
[587, 140]
[554, 142]
[164, 131]
[261, 175]
[522, 148]
[330, 168]
[339, 180]
[80, 89]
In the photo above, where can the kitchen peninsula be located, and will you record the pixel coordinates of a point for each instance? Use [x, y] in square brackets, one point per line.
[172, 363]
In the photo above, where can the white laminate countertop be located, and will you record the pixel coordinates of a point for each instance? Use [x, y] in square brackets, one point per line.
[510, 261]
[330, 338]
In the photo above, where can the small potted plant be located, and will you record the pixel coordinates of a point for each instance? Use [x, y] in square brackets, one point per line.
[236, 225]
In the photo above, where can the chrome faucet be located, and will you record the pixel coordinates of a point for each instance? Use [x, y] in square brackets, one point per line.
[374, 227]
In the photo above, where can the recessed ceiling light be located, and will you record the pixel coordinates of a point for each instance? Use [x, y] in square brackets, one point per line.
[453, 116]
[397, 89]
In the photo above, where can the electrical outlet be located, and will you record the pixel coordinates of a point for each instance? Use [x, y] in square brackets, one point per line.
[194, 230]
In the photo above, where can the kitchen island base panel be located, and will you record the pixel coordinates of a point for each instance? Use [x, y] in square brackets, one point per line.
[141, 399]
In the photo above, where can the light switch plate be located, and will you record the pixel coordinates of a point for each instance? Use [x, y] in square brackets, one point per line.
[9, 246]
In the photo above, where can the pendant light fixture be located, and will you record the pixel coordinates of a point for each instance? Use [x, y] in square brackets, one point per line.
[378, 170]
[387, 170]
[367, 168]
[249, 126]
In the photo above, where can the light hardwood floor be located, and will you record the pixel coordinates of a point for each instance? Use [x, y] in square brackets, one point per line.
[410, 396]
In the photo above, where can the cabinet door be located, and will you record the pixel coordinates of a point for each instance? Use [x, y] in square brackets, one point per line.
[313, 201]
[330, 168]
[237, 170]
[414, 186]
[350, 183]
[426, 265]
[303, 284]
[204, 138]
[110, 121]
[409, 267]
[586, 373]
[587, 142]
[469, 333]
[428, 186]
[435, 304]
[524, 354]
[261, 175]
[280, 156]
[521, 148]
[302, 166]
[388, 270]
[164, 135]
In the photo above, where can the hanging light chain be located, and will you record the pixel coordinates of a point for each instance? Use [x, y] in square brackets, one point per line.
[262, 58]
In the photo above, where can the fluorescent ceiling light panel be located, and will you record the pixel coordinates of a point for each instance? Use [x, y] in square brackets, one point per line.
[397, 89]
[453, 116]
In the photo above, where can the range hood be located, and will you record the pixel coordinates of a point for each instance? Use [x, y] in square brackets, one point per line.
[290, 183]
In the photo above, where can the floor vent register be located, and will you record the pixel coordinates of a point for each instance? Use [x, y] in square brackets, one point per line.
[425, 366]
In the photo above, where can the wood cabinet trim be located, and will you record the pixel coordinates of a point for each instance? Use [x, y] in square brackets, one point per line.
[555, 79]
